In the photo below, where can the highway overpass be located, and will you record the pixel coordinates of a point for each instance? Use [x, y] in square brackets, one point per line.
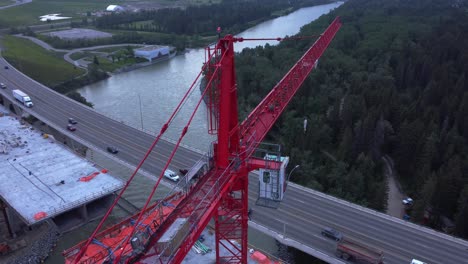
[298, 220]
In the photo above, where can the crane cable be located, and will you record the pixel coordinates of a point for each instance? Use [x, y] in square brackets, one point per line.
[150, 149]
[184, 131]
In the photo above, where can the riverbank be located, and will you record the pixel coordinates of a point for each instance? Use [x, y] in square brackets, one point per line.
[144, 64]
[33, 246]
[81, 58]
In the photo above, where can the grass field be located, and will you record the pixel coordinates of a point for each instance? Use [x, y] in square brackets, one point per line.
[113, 49]
[79, 55]
[43, 66]
[28, 14]
[6, 2]
[110, 66]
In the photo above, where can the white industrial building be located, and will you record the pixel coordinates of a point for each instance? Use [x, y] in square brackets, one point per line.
[152, 52]
[114, 8]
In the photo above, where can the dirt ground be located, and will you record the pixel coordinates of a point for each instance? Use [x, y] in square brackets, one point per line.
[395, 196]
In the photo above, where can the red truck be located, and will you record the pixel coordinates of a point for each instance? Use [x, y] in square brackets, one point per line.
[348, 249]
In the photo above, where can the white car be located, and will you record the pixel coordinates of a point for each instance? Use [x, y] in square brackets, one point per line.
[408, 201]
[171, 175]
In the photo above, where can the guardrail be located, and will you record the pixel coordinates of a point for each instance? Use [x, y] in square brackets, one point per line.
[109, 116]
[380, 215]
[83, 200]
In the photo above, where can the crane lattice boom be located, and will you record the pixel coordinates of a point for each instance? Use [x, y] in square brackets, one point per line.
[221, 193]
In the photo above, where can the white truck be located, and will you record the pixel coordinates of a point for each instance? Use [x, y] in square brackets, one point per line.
[22, 97]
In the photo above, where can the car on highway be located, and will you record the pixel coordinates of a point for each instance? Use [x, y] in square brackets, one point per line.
[71, 127]
[415, 261]
[331, 233]
[2, 85]
[407, 201]
[171, 175]
[72, 121]
[112, 150]
[6, 67]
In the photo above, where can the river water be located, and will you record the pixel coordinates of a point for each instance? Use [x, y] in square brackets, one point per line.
[156, 90]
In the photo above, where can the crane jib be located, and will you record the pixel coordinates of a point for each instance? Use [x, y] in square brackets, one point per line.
[255, 127]
[221, 192]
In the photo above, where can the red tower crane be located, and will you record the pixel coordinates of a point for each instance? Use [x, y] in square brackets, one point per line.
[164, 234]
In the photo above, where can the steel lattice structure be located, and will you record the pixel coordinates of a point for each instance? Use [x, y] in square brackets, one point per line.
[221, 193]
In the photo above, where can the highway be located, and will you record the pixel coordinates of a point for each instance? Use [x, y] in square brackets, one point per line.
[95, 129]
[304, 212]
[300, 216]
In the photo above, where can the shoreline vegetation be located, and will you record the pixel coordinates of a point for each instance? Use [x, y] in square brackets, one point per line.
[128, 27]
[392, 84]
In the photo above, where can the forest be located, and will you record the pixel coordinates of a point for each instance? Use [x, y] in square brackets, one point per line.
[193, 26]
[392, 83]
[231, 15]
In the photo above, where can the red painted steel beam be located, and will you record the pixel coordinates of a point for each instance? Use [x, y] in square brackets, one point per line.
[213, 193]
[202, 204]
[255, 127]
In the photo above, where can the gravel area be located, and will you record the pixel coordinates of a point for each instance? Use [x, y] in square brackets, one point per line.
[40, 243]
[394, 206]
[79, 33]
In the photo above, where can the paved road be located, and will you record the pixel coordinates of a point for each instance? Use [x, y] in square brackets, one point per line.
[301, 215]
[95, 129]
[68, 53]
[304, 212]
[16, 3]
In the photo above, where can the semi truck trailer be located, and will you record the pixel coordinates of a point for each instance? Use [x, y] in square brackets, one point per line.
[351, 250]
[23, 98]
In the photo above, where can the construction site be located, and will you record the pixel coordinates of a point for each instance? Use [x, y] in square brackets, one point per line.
[46, 190]
[49, 190]
[358, 156]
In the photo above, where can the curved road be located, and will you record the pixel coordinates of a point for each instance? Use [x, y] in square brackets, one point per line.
[301, 215]
[68, 53]
[16, 3]
[96, 130]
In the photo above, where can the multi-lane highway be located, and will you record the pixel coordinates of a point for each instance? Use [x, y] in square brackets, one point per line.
[300, 217]
[304, 212]
[96, 130]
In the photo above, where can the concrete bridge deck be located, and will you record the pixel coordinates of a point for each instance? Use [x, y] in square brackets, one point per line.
[296, 222]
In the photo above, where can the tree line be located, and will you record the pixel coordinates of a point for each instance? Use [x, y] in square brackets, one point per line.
[231, 16]
[393, 82]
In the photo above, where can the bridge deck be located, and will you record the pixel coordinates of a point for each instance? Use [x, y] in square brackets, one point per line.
[38, 175]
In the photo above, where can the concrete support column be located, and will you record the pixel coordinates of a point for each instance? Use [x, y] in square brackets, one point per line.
[14, 221]
[84, 213]
[7, 222]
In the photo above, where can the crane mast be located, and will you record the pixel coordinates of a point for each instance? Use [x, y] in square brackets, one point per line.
[222, 193]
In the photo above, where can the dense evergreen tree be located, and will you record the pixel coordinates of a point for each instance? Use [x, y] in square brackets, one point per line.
[230, 15]
[393, 82]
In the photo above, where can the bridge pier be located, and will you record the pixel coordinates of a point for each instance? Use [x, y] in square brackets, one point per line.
[8, 104]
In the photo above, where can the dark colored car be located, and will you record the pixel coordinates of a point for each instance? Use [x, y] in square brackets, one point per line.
[72, 121]
[71, 127]
[332, 233]
[2, 85]
[6, 67]
[112, 150]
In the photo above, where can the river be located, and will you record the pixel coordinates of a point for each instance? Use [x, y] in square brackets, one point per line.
[157, 89]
